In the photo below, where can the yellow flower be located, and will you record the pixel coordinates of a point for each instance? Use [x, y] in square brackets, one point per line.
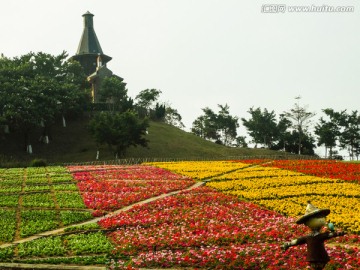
[284, 191]
[200, 170]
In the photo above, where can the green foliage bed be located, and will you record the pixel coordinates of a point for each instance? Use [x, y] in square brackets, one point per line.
[34, 200]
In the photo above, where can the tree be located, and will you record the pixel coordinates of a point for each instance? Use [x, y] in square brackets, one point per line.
[121, 130]
[220, 127]
[146, 98]
[241, 141]
[72, 89]
[113, 91]
[327, 132]
[283, 134]
[262, 126]
[172, 117]
[307, 144]
[227, 125]
[346, 126]
[350, 134]
[205, 125]
[198, 127]
[264, 129]
[210, 123]
[158, 114]
[300, 118]
[17, 105]
[37, 87]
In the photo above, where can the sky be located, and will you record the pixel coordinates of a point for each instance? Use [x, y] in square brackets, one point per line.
[201, 53]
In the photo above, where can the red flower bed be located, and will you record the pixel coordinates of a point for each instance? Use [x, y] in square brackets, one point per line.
[113, 187]
[203, 228]
[320, 168]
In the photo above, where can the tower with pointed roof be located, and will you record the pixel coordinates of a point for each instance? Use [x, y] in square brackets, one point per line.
[91, 57]
[89, 47]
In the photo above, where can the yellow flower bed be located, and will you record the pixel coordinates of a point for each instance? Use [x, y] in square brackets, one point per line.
[344, 211]
[256, 191]
[258, 172]
[200, 170]
[266, 182]
[283, 191]
[288, 194]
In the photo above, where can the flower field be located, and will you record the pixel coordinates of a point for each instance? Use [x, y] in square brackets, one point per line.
[321, 168]
[205, 229]
[288, 190]
[290, 195]
[200, 170]
[114, 187]
[237, 221]
[35, 200]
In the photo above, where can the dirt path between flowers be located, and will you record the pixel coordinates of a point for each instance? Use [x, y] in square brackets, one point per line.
[13, 266]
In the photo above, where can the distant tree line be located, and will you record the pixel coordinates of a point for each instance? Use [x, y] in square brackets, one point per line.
[290, 132]
[38, 88]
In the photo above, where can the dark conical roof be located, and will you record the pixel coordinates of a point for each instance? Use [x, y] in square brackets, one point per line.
[89, 47]
[89, 42]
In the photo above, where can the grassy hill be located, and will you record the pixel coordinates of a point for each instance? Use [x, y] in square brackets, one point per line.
[74, 144]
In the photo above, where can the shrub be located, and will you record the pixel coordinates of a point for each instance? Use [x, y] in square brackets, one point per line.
[38, 163]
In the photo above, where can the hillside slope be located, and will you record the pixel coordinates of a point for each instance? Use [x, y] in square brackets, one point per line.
[74, 144]
[169, 142]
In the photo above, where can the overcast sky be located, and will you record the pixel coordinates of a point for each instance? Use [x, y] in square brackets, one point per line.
[201, 53]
